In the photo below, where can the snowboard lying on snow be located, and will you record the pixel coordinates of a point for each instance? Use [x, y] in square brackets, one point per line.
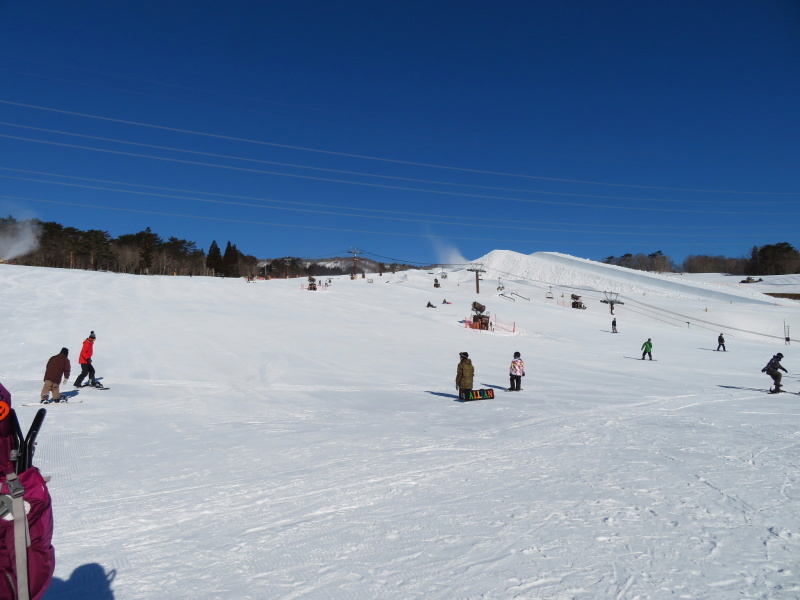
[476, 395]
[51, 403]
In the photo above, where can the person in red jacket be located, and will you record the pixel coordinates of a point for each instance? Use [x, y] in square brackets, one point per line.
[85, 360]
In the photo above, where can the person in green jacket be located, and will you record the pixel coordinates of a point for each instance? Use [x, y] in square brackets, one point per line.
[464, 374]
[647, 349]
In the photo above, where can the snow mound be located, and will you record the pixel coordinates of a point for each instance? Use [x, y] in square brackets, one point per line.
[553, 268]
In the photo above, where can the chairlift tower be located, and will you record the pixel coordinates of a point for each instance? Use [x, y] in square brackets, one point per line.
[355, 252]
[611, 298]
[477, 269]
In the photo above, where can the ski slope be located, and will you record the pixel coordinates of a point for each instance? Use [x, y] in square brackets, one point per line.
[564, 270]
[264, 441]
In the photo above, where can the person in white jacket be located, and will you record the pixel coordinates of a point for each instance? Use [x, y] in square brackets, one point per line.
[516, 373]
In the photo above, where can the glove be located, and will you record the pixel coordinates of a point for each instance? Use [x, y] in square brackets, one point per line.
[88, 361]
[523, 374]
[66, 380]
[763, 370]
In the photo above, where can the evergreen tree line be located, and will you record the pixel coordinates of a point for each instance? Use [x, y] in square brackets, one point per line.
[772, 259]
[144, 252]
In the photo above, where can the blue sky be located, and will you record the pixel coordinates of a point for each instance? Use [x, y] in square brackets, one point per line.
[418, 131]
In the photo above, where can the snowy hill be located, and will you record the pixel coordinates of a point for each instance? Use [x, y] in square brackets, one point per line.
[565, 270]
[260, 440]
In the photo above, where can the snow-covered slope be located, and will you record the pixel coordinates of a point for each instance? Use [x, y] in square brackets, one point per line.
[564, 270]
[264, 441]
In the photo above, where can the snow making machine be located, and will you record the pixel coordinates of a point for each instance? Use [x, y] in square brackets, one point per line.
[576, 302]
[479, 319]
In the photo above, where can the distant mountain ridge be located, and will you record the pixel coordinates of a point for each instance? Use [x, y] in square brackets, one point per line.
[345, 264]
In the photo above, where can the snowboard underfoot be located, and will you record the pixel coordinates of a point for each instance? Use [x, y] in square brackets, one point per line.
[43, 404]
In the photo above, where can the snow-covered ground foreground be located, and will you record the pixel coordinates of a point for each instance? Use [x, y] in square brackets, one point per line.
[261, 441]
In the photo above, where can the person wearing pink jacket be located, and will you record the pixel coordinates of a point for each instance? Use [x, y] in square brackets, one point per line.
[516, 373]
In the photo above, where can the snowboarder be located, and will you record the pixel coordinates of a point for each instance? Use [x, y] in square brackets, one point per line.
[85, 360]
[647, 349]
[721, 343]
[464, 374]
[614, 325]
[516, 373]
[773, 369]
[430, 305]
[57, 367]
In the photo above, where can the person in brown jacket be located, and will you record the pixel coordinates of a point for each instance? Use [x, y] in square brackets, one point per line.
[464, 374]
[57, 367]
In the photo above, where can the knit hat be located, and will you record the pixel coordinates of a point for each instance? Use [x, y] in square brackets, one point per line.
[516, 354]
[463, 355]
[64, 351]
[92, 336]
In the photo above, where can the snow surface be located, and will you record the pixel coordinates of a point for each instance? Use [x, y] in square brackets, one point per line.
[264, 441]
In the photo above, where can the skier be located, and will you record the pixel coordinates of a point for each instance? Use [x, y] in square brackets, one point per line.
[57, 367]
[614, 325]
[464, 375]
[516, 373]
[647, 349]
[721, 343]
[773, 369]
[85, 360]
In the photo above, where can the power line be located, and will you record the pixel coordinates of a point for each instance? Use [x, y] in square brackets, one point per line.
[312, 227]
[362, 174]
[481, 225]
[184, 191]
[377, 185]
[381, 159]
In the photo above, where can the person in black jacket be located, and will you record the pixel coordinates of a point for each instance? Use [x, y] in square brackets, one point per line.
[773, 369]
[721, 343]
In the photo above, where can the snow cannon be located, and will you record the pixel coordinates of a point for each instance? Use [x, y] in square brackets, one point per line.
[479, 320]
[576, 302]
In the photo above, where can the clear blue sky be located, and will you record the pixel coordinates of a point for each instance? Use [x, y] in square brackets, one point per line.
[410, 130]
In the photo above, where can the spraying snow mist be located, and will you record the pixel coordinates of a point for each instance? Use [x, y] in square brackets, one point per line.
[17, 239]
[447, 254]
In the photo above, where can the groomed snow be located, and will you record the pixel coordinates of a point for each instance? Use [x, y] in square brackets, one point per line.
[263, 441]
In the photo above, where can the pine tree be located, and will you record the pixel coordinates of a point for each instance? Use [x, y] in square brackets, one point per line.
[149, 243]
[214, 258]
[230, 261]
